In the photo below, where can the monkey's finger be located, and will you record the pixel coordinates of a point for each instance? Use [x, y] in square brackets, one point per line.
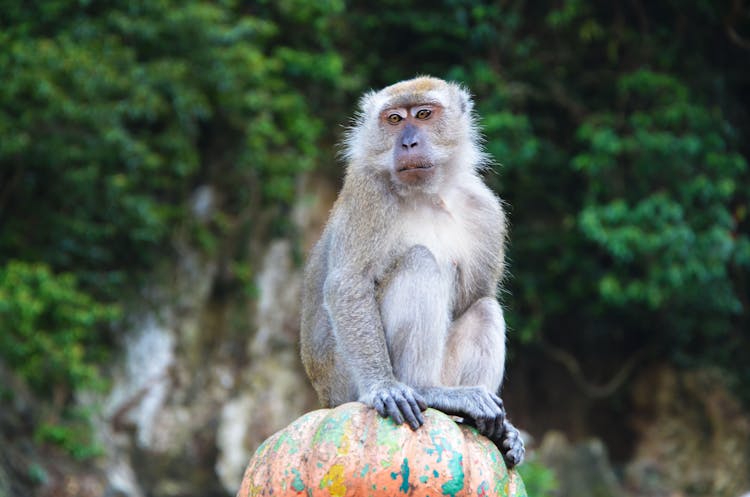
[421, 403]
[498, 428]
[393, 411]
[488, 408]
[512, 446]
[514, 457]
[511, 437]
[414, 404]
[406, 409]
[500, 420]
[377, 403]
[498, 401]
[497, 407]
[481, 426]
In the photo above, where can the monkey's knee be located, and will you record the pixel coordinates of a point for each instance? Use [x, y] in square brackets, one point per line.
[488, 328]
[418, 258]
[489, 315]
[418, 281]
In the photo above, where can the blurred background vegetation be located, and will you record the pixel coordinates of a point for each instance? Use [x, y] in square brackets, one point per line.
[620, 131]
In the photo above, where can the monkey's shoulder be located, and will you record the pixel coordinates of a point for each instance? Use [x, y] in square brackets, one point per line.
[455, 226]
[478, 207]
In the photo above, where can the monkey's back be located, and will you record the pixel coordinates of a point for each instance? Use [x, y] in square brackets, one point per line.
[316, 342]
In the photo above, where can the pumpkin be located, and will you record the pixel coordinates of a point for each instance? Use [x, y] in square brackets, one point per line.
[352, 451]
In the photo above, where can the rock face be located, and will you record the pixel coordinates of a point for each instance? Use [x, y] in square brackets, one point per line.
[202, 376]
[163, 399]
[204, 380]
[694, 438]
[582, 469]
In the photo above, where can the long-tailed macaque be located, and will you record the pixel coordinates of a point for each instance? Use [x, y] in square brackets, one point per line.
[399, 307]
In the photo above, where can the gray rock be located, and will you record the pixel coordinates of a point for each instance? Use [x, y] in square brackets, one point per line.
[582, 469]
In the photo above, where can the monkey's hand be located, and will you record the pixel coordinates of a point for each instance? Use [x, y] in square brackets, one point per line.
[398, 401]
[476, 405]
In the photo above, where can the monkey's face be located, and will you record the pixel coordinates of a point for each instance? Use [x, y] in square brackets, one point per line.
[414, 159]
[417, 133]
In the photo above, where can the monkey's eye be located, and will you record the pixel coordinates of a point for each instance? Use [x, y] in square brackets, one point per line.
[394, 118]
[423, 114]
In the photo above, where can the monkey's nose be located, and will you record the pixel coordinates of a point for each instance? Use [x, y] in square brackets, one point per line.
[409, 137]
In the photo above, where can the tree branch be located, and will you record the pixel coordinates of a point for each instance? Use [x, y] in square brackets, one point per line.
[594, 391]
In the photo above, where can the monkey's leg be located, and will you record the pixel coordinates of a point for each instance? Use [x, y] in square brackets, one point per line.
[472, 369]
[428, 352]
[476, 347]
[414, 307]
[476, 356]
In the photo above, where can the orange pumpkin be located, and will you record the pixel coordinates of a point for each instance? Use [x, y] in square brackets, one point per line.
[351, 451]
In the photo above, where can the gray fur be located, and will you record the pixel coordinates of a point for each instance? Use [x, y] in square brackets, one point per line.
[399, 307]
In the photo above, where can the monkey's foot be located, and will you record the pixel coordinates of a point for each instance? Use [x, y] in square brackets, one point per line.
[511, 445]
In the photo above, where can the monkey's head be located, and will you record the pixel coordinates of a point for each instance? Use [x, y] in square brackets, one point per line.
[416, 133]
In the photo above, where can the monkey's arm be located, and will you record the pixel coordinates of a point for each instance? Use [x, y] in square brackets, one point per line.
[358, 330]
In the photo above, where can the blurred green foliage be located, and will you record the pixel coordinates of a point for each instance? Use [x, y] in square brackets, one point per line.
[617, 128]
[112, 117]
[539, 480]
[47, 328]
[48, 337]
[659, 180]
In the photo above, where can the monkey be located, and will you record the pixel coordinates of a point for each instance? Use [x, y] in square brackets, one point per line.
[399, 307]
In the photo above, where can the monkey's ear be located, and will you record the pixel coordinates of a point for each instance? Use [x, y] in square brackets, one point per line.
[367, 101]
[467, 104]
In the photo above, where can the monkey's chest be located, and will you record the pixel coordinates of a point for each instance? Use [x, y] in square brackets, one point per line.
[449, 240]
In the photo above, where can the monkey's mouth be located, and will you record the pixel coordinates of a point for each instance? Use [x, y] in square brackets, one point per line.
[415, 172]
[414, 166]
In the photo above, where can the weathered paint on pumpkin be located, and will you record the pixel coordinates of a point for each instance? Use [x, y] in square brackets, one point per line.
[351, 451]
